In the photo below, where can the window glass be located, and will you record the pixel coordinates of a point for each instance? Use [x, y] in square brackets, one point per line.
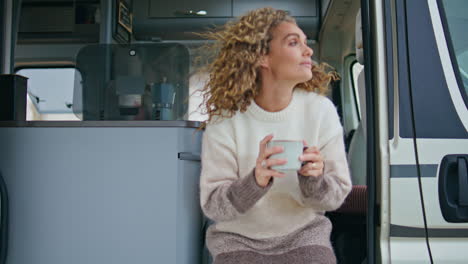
[196, 110]
[145, 81]
[457, 22]
[50, 93]
[350, 117]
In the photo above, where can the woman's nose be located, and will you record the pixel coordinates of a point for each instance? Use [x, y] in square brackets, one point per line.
[308, 51]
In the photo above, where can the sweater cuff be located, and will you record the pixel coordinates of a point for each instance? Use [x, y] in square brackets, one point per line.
[245, 192]
[311, 186]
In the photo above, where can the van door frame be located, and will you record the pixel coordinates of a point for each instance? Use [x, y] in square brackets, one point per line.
[378, 169]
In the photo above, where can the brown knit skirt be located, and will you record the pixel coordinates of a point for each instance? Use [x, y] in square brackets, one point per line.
[309, 244]
[303, 255]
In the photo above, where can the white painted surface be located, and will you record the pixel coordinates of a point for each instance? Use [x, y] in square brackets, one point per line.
[431, 151]
[408, 251]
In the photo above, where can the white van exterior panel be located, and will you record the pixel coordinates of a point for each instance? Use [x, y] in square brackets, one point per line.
[430, 150]
[412, 250]
[406, 209]
[433, 213]
[448, 242]
[408, 250]
[405, 205]
[449, 250]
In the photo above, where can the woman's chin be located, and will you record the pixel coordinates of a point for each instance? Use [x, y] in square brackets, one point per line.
[306, 78]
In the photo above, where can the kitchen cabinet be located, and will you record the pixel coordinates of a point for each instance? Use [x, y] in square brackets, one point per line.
[178, 19]
[95, 193]
[296, 8]
[190, 8]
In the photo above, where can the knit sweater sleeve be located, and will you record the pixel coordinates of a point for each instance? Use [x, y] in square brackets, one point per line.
[328, 192]
[224, 194]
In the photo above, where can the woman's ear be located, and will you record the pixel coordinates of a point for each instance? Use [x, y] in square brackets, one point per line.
[263, 62]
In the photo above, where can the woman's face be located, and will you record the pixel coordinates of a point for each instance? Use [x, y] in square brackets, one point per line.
[289, 57]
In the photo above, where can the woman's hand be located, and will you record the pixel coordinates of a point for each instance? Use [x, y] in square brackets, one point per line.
[312, 162]
[263, 173]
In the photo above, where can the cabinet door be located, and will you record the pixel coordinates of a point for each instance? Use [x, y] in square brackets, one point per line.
[294, 7]
[164, 9]
[190, 8]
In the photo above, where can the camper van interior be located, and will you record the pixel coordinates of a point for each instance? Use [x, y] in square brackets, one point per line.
[99, 110]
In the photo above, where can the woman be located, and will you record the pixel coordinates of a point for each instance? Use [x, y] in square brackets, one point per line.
[263, 85]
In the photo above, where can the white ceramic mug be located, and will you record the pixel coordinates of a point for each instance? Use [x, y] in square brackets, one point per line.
[292, 151]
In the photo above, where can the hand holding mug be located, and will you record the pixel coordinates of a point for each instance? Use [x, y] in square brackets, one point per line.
[263, 172]
[312, 162]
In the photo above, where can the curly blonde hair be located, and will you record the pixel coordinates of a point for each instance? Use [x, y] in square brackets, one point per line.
[234, 78]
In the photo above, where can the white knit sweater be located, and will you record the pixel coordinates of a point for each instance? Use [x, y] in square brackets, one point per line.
[228, 191]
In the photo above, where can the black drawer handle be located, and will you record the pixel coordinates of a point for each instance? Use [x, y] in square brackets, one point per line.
[189, 156]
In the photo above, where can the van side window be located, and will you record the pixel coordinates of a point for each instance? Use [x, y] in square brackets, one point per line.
[50, 93]
[456, 21]
[350, 97]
